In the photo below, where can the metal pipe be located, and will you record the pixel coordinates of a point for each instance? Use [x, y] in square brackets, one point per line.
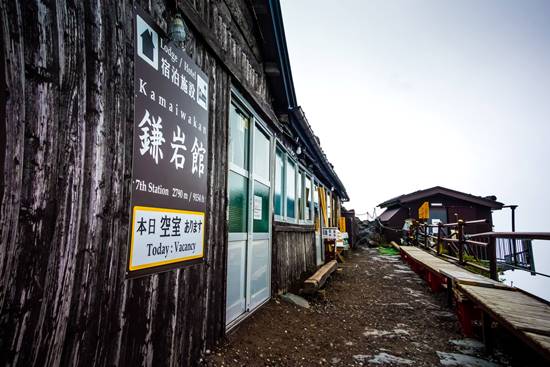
[518, 235]
[477, 221]
[513, 208]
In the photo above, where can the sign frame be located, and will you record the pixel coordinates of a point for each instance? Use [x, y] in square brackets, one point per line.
[202, 81]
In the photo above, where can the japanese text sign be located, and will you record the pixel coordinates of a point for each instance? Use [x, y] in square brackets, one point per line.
[170, 148]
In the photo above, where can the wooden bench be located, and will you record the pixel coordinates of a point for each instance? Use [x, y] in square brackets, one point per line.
[317, 280]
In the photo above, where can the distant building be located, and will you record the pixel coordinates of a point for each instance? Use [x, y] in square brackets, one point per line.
[446, 206]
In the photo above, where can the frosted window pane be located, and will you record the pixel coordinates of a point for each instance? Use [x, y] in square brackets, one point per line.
[259, 267]
[290, 190]
[261, 155]
[308, 198]
[279, 183]
[238, 138]
[235, 279]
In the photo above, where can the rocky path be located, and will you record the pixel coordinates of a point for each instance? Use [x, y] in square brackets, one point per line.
[373, 311]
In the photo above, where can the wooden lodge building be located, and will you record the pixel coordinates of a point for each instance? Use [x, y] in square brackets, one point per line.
[445, 205]
[116, 142]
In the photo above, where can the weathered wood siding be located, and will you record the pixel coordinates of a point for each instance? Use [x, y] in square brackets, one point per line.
[67, 125]
[293, 256]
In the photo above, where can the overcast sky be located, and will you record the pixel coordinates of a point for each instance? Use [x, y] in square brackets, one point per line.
[406, 95]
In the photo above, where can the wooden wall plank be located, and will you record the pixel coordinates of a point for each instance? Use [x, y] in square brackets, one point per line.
[64, 299]
[293, 257]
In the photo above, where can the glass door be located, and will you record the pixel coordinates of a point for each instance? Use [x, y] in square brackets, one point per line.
[249, 215]
[238, 191]
[259, 250]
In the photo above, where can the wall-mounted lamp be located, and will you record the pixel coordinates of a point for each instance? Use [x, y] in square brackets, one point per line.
[299, 151]
[177, 31]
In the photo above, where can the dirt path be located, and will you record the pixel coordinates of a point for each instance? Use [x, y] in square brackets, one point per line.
[374, 311]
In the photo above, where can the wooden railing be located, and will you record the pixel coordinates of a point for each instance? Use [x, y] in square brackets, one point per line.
[487, 252]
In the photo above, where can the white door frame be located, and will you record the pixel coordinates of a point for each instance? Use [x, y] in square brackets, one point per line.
[255, 124]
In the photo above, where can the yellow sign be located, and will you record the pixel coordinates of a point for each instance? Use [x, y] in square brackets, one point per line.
[424, 211]
[322, 199]
[342, 224]
[165, 236]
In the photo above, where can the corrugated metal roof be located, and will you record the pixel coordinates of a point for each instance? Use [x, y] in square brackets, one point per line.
[388, 214]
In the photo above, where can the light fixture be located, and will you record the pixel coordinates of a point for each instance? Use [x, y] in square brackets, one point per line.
[299, 151]
[176, 30]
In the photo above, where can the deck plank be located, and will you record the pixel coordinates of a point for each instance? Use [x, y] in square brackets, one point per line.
[525, 316]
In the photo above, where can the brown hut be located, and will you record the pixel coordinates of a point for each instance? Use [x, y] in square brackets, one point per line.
[445, 205]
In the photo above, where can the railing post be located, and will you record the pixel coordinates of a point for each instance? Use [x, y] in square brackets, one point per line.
[426, 236]
[515, 250]
[439, 245]
[492, 248]
[461, 241]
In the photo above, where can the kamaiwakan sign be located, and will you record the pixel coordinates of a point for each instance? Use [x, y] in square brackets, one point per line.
[170, 149]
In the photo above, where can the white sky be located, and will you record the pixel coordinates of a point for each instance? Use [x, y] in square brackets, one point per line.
[407, 95]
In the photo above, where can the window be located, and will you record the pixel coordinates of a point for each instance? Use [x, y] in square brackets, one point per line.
[329, 208]
[279, 183]
[238, 174]
[300, 195]
[290, 190]
[316, 208]
[293, 190]
[238, 138]
[238, 201]
[307, 192]
[261, 155]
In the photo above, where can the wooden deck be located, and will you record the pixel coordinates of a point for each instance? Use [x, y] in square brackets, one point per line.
[525, 316]
[522, 314]
[446, 268]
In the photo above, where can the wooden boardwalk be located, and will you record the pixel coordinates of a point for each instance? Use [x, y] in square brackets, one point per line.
[525, 316]
[445, 268]
[522, 314]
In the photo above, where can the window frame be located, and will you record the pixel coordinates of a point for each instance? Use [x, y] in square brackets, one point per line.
[278, 147]
[308, 176]
[299, 186]
[293, 219]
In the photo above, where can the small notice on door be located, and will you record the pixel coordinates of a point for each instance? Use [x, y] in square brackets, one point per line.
[257, 207]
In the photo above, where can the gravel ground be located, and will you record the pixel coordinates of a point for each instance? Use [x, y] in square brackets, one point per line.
[373, 311]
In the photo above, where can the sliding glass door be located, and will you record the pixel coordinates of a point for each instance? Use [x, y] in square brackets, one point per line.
[249, 215]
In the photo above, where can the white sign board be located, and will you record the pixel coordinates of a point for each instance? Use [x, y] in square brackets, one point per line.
[163, 236]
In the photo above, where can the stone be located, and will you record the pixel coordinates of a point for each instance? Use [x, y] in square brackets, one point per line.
[296, 300]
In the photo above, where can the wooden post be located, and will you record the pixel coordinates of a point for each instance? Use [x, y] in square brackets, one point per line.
[439, 244]
[426, 236]
[486, 331]
[461, 241]
[449, 292]
[492, 247]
